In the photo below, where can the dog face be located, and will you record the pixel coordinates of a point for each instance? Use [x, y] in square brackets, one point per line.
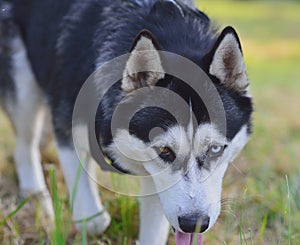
[186, 154]
[202, 159]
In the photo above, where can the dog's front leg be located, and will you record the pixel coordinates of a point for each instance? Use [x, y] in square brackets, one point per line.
[154, 227]
[87, 203]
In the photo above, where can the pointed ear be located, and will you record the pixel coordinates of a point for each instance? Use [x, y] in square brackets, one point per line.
[225, 61]
[143, 67]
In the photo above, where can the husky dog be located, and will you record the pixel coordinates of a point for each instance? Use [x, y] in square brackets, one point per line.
[49, 48]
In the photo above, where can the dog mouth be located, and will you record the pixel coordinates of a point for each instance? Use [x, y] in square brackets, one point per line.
[187, 238]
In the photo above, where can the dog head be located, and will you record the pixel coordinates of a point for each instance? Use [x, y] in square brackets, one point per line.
[185, 152]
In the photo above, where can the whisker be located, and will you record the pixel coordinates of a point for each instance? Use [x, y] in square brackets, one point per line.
[238, 169]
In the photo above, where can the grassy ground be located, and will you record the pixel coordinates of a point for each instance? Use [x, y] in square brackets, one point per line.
[261, 204]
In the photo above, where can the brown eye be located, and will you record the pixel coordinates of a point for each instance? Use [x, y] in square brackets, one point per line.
[166, 154]
[165, 150]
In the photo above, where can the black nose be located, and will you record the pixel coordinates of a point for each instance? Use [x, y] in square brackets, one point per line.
[189, 223]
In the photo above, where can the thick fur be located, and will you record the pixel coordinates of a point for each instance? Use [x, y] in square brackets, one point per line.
[49, 48]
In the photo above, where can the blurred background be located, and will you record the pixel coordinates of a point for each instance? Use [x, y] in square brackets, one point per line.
[261, 188]
[261, 203]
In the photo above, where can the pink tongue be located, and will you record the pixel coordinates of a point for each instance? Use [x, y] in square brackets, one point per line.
[188, 238]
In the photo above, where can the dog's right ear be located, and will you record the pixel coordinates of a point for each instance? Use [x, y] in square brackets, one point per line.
[143, 67]
[225, 61]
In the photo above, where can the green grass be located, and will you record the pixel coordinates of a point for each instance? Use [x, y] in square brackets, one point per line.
[14, 212]
[59, 234]
[261, 203]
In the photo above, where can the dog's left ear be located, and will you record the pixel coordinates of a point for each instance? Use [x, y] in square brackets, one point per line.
[143, 67]
[225, 61]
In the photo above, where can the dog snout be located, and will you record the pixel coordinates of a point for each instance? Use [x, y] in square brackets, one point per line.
[191, 223]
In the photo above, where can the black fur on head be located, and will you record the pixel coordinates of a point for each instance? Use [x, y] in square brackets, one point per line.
[237, 105]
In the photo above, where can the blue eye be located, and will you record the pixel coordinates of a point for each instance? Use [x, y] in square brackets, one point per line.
[216, 150]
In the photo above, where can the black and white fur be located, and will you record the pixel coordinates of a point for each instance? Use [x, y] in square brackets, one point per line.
[48, 49]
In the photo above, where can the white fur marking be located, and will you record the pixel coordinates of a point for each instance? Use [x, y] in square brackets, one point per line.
[238, 142]
[154, 227]
[190, 128]
[87, 202]
[27, 118]
[129, 151]
[207, 134]
[27, 115]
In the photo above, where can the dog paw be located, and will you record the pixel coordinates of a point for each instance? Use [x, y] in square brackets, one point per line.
[41, 198]
[35, 206]
[94, 225]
